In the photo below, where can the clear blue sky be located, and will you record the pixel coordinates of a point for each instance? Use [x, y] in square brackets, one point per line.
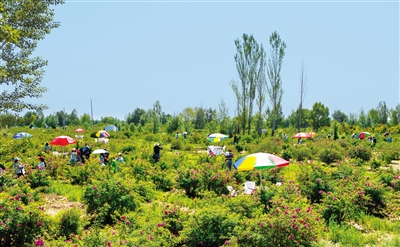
[128, 54]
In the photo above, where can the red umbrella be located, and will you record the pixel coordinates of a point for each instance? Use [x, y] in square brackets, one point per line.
[79, 130]
[62, 141]
[302, 135]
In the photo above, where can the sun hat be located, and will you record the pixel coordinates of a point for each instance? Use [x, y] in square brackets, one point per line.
[156, 144]
[41, 157]
[16, 158]
[119, 153]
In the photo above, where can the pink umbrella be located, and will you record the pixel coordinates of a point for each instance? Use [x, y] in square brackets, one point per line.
[302, 135]
[79, 130]
[62, 141]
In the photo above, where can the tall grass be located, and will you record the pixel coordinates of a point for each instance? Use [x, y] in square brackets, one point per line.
[71, 192]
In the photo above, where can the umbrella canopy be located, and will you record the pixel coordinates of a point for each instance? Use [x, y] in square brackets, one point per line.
[216, 137]
[364, 135]
[302, 135]
[21, 135]
[79, 130]
[62, 141]
[102, 134]
[259, 161]
[99, 151]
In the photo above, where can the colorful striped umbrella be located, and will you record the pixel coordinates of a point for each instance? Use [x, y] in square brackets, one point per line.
[102, 134]
[259, 161]
[364, 135]
[216, 137]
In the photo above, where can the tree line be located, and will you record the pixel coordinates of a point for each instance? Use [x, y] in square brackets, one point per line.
[24, 23]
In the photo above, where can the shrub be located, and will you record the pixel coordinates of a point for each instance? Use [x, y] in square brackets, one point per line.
[107, 197]
[286, 154]
[301, 153]
[374, 164]
[38, 179]
[362, 152]
[190, 180]
[329, 156]
[70, 222]
[285, 225]
[210, 227]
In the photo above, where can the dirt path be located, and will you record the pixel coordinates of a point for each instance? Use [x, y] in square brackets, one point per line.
[55, 203]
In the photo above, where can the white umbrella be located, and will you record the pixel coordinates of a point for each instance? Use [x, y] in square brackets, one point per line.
[99, 151]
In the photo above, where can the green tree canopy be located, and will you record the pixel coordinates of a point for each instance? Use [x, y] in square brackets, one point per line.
[319, 116]
[23, 24]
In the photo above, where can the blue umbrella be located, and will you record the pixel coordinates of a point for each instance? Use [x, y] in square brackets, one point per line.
[21, 135]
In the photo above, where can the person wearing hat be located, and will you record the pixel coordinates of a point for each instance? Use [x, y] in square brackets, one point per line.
[19, 169]
[156, 154]
[73, 156]
[119, 158]
[42, 164]
[228, 159]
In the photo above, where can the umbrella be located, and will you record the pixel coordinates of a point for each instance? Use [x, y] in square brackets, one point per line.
[302, 135]
[364, 135]
[62, 141]
[79, 130]
[99, 151]
[21, 135]
[216, 137]
[259, 161]
[102, 134]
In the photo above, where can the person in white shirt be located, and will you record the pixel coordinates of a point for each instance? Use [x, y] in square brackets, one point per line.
[42, 164]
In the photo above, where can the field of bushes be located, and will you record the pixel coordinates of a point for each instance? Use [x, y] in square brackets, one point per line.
[343, 192]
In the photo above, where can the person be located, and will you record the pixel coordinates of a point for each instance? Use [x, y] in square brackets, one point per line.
[19, 169]
[228, 159]
[184, 135]
[156, 149]
[2, 168]
[42, 163]
[374, 140]
[47, 148]
[211, 152]
[235, 140]
[78, 156]
[114, 164]
[102, 160]
[353, 135]
[284, 136]
[85, 152]
[300, 141]
[119, 158]
[176, 135]
[329, 136]
[73, 159]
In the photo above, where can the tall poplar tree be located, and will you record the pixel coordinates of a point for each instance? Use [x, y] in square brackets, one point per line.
[274, 88]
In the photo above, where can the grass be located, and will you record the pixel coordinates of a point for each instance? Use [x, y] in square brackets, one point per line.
[72, 192]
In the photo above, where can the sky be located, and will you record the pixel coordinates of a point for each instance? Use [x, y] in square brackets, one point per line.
[115, 56]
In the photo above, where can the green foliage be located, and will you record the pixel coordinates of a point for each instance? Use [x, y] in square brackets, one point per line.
[330, 155]
[70, 222]
[190, 180]
[107, 197]
[360, 151]
[210, 226]
[285, 225]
